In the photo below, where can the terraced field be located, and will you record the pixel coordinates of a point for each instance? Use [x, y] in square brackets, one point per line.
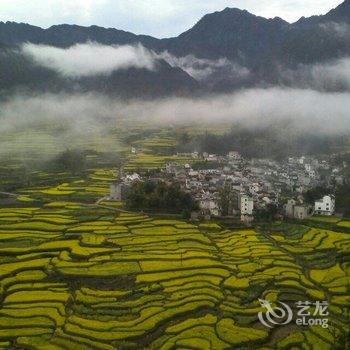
[93, 187]
[147, 161]
[78, 277]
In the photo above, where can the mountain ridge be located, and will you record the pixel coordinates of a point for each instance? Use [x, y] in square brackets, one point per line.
[331, 15]
[255, 43]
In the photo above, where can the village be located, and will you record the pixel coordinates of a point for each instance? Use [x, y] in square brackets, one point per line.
[231, 186]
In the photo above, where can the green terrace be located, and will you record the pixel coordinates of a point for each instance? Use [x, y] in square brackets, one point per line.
[75, 277]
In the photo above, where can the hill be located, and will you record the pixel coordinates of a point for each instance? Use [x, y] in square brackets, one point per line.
[262, 47]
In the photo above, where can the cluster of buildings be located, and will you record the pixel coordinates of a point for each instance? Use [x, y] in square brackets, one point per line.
[297, 209]
[119, 188]
[233, 186]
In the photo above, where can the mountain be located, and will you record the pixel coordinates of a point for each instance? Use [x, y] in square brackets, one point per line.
[319, 38]
[18, 72]
[134, 82]
[232, 33]
[14, 34]
[232, 37]
[265, 45]
[340, 14]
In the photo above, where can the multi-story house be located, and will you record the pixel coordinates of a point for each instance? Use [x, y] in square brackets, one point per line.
[325, 206]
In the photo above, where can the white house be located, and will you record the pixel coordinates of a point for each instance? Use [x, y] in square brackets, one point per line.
[209, 205]
[289, 208]
[246, 205]
[193, 173]
[301, 212]
[254, 188]
[172, 168]
[308, 167]
[296, 209]
[325, 206]
[305, 180]
[115, 192]
[234, 155]
[312, 174]
[132, 178]
[193, 184]
[212, 158]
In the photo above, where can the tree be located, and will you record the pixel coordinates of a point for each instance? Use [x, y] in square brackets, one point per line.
[267, 215]
[315, 193]
[159, 197]
[72, 161]
[226, 199]
[184, 138]
[342, 199]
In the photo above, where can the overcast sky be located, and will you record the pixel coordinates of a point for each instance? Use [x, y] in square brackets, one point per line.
[160, 18]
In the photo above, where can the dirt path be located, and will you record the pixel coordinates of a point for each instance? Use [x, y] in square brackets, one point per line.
[10, 194]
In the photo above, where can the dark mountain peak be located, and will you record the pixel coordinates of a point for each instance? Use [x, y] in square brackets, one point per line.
[340, 13]
[234, 11]
[279, 20]
[231, 19]
[231, 14]
[12, 33]
[238, 14]
[65, 35]
[70, 27]
[232, 33]
[17, 24]
[219, 18]
[65, 26]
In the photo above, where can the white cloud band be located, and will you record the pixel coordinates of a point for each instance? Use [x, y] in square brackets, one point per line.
[89, 59]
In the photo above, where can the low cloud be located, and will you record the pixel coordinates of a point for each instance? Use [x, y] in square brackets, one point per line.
[204, 69]
[307, 110]
[90, 121]
[330, 76]
[338, 30]
[90, 59]
[42, 126]
[336, 74]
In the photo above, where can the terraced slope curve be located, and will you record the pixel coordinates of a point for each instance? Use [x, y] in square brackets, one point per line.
[73, 277]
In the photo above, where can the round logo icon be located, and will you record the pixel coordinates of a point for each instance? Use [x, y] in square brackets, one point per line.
[279, 315]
